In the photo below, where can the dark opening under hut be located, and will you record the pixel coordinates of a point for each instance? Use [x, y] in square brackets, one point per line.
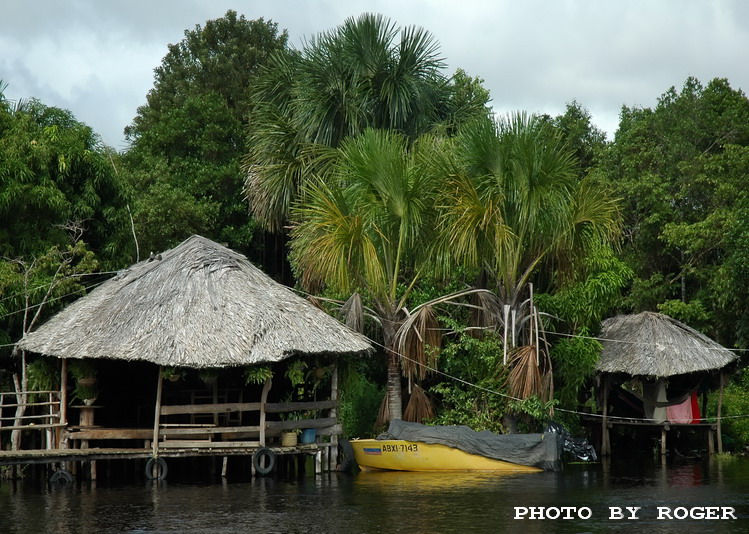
[653, 369]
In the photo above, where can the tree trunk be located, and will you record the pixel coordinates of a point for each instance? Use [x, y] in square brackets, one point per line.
[21, 400]
[395, 403]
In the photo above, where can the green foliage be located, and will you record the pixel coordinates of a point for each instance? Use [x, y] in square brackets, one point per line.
[257, 374]
[54, 175]
[692, 313]
[32, 290]
[82, 369]
[84, 373]
[366, 73]
[477, 398]
[680, 169]
[735, 403]
[295, 372]
[574, 360]
[586, 141]
[592, 294]
[186, 142]
[534, 412]
[513, 203]
[43, 374]
[359, 402]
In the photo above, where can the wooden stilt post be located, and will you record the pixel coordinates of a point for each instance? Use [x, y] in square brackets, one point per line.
[63, 402]
[157, 413]
[718, 425]
[333, 450]
[664, 429]
[605, 447]
[263, 400]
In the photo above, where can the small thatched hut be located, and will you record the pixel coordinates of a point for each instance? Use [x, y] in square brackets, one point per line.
[198, 305]
[670, 361]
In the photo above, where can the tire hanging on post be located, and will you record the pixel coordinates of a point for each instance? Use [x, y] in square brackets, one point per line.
[264, 460]
[61, 477]
[346, 460]
[161, 469]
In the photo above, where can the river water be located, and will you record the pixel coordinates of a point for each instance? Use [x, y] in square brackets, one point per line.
[390, 502]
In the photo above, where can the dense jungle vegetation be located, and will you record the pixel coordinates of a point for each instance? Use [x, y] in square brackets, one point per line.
[358, 169]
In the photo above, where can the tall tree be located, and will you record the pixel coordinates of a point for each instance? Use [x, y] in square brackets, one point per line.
[512, 205]
[187, 140]
[55, 173]
[367, 73]
[681, 168]
[368, 228]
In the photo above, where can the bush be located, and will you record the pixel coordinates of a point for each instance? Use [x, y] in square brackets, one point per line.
[735, 403]
[359, 403]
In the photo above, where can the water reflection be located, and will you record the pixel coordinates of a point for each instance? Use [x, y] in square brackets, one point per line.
[386, 502]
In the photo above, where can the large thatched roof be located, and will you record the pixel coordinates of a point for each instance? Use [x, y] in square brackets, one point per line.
[653, 344]
[196, 305]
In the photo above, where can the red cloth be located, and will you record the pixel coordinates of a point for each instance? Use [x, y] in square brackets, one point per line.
[696, 417]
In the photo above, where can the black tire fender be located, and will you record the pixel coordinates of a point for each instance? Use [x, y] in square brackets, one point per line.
[264, 467]
[161, 469]
[62, 477]
[346, 460]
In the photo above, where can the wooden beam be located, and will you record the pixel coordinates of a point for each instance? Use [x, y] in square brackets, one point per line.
[33, 426]
[157, 412]
[111, 433]
[188, 444]
[321, 422]
[280, 407]
[225, 407]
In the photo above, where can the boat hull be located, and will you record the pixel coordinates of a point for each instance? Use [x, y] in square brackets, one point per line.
[401, 455]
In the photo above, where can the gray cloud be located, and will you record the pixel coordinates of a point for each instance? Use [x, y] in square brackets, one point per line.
[97, 58]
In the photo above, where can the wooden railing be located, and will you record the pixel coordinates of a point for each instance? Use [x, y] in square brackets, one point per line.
[196, 435]
[30, 421]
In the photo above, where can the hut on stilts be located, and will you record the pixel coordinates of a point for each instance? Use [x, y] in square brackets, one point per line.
[651, 372]
[199, 306]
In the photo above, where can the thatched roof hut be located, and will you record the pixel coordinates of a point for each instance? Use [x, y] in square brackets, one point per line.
[196, 305]
[655, 345]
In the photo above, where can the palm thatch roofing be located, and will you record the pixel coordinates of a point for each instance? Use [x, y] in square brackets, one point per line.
[196, 305]
[655, 345]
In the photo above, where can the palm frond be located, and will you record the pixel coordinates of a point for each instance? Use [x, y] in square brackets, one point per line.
[420, 406]
[419, 340]
[353, 313]
[383, 414]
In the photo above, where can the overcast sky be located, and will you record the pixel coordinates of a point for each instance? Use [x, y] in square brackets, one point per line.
[96, 58]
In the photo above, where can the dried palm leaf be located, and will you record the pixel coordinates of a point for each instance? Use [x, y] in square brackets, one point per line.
[316, 302]
[419, 407]
[353, 313]
[527, 378]
[419, 340]
[383, 415]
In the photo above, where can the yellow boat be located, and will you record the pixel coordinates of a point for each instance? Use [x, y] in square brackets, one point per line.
[401, 455]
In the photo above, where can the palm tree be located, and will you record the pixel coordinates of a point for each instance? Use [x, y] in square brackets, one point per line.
[511, 204]
[365, 73]
[368, 227]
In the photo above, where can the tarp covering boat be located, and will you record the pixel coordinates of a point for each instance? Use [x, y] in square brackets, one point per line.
[536, 450]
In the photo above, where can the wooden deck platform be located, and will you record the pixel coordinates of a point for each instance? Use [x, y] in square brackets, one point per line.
[92, 454]
[709, 429]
